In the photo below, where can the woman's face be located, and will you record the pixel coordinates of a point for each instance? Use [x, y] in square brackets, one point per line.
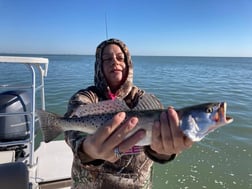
[113, 65]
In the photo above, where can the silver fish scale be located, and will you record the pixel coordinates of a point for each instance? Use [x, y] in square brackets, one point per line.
[195, 122]
[146, 102]
[103, 107]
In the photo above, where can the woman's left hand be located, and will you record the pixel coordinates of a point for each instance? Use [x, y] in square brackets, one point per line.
[167, 138]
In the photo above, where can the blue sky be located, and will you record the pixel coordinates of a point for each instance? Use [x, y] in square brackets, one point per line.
[148, 27]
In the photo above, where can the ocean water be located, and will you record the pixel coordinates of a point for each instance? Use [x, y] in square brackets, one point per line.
[221, 160]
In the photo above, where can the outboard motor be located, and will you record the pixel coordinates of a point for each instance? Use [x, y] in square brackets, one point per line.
[14, 127]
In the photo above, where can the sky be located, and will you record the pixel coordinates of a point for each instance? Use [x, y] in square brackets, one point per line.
[148, 27]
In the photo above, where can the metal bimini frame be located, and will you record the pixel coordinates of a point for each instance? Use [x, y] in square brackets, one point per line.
[33, 63]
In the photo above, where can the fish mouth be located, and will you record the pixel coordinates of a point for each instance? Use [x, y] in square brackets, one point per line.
[222, 117]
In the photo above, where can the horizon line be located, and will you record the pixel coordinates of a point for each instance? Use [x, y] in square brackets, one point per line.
[76, 54]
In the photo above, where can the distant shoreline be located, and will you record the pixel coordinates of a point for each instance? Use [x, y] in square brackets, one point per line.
[46, 54]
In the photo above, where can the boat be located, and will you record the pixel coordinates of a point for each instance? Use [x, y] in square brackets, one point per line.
[22, 164]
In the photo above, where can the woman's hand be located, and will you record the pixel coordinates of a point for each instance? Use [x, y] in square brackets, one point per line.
[167, 138]
[102, 143]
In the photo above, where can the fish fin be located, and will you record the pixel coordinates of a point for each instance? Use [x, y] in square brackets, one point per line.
[49, 125]
[148, 102]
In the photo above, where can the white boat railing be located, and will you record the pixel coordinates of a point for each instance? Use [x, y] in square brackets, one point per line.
[33, 64]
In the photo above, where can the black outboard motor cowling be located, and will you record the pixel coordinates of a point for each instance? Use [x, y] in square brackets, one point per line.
[14, 127]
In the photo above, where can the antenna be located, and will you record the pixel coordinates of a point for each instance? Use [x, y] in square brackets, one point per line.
[106, 24]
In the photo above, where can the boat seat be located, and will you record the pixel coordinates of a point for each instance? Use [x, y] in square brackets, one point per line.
[14, 176]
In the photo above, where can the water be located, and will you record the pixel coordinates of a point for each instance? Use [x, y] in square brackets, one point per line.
[223, 158]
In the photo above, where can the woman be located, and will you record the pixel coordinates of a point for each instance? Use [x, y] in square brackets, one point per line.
[104, 159]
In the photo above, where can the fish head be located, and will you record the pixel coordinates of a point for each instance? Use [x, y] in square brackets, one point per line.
[197, 121]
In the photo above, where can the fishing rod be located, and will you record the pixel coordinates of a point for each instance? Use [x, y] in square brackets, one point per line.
[106, 25]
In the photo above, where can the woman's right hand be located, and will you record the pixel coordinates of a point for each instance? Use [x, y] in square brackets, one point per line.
[102, 143]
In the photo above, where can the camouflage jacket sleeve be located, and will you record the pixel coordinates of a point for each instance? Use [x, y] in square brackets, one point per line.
[75, 138]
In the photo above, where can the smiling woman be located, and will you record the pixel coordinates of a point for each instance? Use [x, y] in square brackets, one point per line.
[107, 158]
[114, 67]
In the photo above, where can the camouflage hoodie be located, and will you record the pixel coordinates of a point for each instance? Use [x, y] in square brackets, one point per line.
[130, 171]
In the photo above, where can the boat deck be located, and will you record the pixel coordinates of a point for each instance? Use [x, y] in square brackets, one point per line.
[53, 165]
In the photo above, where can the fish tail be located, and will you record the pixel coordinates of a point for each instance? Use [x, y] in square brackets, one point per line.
[49, 125]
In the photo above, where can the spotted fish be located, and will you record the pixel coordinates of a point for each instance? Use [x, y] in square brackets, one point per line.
[195, 121]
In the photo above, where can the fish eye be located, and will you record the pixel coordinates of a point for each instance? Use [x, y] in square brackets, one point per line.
[209, 110]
